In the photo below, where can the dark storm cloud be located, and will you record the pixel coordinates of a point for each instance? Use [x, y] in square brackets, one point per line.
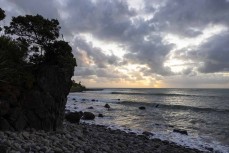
[84, 71]
[152, 53]
[114, 21]
[111, 21]
[46, 8]
[88, 72]
[106, 20]
[188, 18]
[209, 57]
[215, 54]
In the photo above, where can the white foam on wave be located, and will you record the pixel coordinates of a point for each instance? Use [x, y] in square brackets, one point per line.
[81, 98]
[100, 91]
[179, 139]
[191, 141]
[73, 106]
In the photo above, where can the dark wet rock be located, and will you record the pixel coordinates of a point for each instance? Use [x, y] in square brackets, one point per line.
[107, 106]
[93, 100]
[73, 99]
[3, 148]
[157, 105]
[100, 115]
[73, 117]
[88, 116]
[83, 99]
[142, 107]
[90, 107]
[146, 133]
[209, 148]
[180, 131]
[116, 99]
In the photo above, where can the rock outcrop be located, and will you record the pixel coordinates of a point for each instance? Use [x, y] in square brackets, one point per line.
[42, 106]
[88, 116]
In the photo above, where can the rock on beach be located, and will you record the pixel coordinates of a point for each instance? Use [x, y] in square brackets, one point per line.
[73, 117]
[88, 116]
[74, 138]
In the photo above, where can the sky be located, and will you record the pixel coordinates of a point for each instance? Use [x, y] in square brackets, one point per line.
[141, 43]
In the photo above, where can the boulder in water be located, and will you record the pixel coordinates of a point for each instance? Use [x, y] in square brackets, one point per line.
[107, 106]
[142, 108]
[88, 116]
[180, 131]
[100, 115]
[90, 107]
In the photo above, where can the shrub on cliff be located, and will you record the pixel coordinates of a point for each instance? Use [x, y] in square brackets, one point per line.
[77, 87]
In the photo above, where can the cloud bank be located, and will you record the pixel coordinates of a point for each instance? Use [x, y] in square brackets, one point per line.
[146, 43]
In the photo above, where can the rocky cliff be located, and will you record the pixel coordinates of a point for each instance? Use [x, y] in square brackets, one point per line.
[35, 74]
[41, 107]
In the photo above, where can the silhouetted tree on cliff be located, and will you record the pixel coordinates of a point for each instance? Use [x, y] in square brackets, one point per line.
[2, 16]
[35, 41]
[36, 69]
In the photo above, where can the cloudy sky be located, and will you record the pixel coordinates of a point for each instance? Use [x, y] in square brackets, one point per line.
[141, 43]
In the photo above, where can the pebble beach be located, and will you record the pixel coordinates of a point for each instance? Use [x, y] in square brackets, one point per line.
[85, 138]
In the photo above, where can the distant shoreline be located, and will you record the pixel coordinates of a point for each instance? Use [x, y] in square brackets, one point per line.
[96, 89]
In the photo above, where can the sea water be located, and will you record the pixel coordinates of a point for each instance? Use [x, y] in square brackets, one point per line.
[203, 113]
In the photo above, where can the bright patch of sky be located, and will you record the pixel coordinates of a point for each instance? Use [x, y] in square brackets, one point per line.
[106, 48]
[186, 43]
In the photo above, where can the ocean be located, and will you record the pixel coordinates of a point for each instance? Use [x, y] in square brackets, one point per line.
[203, 113]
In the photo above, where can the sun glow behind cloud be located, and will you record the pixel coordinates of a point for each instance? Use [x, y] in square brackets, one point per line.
[108, 48]
[184, 42]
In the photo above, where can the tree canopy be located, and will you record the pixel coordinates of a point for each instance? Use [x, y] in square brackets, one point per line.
[29, 43]
[2, 14]
[34, 29]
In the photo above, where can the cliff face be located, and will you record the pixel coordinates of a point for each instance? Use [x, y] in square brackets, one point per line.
[41, 107]
[35, 74]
